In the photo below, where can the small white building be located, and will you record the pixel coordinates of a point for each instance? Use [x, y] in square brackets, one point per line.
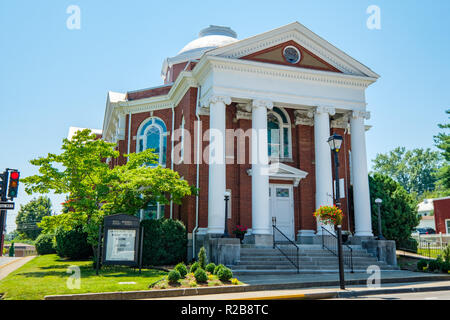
[426, 210]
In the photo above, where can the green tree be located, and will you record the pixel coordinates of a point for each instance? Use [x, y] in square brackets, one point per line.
[416, 170]
[442, 141]
[30, 215]
[95, 190]
[398, 211]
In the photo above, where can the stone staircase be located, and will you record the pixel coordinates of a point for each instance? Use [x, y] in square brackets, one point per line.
[312, 258]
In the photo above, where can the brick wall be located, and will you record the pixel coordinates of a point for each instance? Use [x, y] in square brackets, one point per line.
[441, 213]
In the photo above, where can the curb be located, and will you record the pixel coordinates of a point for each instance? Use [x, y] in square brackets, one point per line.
[168, 293]
[353, 294]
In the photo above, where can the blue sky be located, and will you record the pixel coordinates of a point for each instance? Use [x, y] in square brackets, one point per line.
[52, 78]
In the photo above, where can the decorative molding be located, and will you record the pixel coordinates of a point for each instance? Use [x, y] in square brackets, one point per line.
[243, 111]
[217, 98]
[325, 109]
[304, 117]
[341, 121]
[258, 103]
[357, 114]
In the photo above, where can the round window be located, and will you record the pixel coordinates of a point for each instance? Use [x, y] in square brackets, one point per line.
[291, 54]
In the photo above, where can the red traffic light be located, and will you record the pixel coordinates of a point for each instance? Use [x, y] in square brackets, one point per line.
[14, 175]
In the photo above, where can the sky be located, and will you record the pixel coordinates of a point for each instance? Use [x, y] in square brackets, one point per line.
[53, 77]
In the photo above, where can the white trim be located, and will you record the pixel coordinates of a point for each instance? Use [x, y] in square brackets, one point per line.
[447, 226]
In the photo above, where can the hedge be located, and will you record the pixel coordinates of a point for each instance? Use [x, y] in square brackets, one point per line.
[165, 242]
[72, 244]
[44, 244]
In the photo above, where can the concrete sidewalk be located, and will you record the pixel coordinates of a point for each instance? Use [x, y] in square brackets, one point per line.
[322, 293]
[10, 264]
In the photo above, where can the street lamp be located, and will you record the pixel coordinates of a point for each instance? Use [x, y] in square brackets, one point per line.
[378, 201]
[335, 142]
[225, 231]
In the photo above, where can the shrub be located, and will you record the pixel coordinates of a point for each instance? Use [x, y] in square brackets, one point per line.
[44, 244]
[422, 264]
[200, 275]
[72, 243]
[434, 265]
[235, 281]
[202, 257]
[165, 242]
[181, 268]
[446, 253]
[194, 267]
[445, 267]
[217, 268]
[224, 274]
[210, 267]
[12, 250]
[173, 276]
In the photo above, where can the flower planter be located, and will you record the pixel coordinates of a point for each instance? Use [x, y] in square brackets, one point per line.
[240, 237]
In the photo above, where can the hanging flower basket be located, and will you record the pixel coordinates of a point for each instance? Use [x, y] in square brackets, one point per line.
[330, 215]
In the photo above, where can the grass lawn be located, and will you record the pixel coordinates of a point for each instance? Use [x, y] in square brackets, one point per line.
[47, 275]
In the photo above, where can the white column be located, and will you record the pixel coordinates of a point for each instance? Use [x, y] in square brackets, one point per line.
[217, 168]
[323, 169]
[260, 178]
[361, 195]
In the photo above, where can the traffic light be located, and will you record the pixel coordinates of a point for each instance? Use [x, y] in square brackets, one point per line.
[3, 184]
[13, 185]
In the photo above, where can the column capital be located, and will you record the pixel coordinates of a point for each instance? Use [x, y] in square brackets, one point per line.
[257, 103]
[356, 114]
[325, 109]
[218, 98]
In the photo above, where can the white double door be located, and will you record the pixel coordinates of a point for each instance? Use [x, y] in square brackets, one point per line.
[281, 201]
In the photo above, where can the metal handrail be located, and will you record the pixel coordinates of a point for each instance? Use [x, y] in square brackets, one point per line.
[349, 263]
[297, 265]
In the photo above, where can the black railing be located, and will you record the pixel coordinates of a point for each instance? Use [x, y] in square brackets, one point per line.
[330, 242]
[287, 247]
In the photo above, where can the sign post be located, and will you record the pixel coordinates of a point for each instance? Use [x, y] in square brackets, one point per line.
[122, 241]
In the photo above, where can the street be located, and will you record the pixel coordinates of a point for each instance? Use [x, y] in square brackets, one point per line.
[433, 295]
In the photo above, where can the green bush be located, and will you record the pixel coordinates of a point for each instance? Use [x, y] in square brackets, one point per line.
[434, 265]
[72, 244]
[181, 268]
[45, 244]
[202, 257]
[12, 250]
[200, 275]
[217, 268]
[174, 276]
[210, 267]
[446, 253]
[224, 274]
[194, 267]
[422, 264]
[445, 267]
[165, 242]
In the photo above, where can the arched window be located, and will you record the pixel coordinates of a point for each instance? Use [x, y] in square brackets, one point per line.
[153, 135]
[279, 134]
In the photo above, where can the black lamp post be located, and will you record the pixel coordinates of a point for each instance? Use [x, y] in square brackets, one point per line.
[335, 142]
[378, 201]
[225, 231]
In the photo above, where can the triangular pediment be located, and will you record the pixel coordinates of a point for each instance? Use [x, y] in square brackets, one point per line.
[279, 55]
[316, 52]
[282, 171]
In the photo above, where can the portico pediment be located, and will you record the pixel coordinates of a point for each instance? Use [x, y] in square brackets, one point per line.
[280, 171]
[314, 51]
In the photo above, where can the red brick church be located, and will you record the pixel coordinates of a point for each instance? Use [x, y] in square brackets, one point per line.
[288, 89]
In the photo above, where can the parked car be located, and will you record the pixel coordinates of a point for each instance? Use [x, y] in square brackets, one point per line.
[424, 231]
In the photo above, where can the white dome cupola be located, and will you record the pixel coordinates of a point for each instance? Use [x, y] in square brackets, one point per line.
[208, 38]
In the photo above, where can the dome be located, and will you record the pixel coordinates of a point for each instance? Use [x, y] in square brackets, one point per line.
[210, 38]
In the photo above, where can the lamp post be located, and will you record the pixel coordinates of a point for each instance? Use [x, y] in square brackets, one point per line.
[225, 231]
[378, 201]
[335, 142]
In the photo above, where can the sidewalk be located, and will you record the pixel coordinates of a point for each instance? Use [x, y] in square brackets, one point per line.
[10, 264]
[322, 293]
